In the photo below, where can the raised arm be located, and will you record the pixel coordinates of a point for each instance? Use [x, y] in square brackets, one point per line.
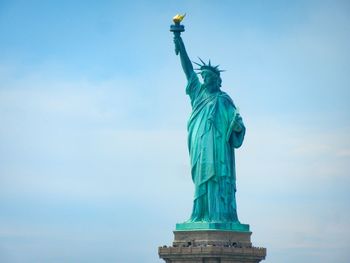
[185, 60]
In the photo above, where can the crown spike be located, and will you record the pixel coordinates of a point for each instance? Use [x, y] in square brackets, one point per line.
[214, 69]
[202, 61]
[196, 63]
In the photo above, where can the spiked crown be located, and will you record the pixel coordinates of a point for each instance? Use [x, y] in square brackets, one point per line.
[203, 66]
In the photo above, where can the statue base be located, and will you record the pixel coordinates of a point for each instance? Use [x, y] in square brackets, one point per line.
[212, 246]
[229, 226]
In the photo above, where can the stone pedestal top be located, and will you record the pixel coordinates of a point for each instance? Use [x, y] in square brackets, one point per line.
[212, 254]
[212, 246]
[212, 237]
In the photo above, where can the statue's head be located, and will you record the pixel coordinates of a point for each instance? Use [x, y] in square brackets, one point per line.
[211, 75]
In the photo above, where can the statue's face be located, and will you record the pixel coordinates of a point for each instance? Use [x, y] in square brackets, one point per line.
[208, 76]
[210, 80]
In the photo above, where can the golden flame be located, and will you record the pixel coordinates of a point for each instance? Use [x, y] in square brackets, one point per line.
[178, 18]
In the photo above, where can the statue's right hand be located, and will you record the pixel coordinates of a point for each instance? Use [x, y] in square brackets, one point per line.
[177, 45]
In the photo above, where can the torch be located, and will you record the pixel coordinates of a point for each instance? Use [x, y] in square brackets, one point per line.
[177, 28]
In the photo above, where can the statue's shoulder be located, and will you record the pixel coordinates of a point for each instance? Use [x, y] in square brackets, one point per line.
[226, 99]
[193, 78]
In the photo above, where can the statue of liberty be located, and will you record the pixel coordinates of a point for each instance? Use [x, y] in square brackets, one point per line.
[213, 233]
[215, 129]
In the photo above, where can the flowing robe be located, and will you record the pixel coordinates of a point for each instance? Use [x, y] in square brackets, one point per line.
[212, 137]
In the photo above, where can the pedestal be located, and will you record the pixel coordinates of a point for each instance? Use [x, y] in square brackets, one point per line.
[212, 246]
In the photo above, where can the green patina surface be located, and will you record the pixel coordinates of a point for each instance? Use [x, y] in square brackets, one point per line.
[235, 226]
[215, 129]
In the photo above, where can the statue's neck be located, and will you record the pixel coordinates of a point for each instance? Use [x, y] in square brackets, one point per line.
[211, 89]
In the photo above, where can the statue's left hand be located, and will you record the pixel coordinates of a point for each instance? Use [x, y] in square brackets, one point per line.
[237, 125]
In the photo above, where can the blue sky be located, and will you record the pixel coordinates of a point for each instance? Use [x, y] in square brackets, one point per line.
[93, 157]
